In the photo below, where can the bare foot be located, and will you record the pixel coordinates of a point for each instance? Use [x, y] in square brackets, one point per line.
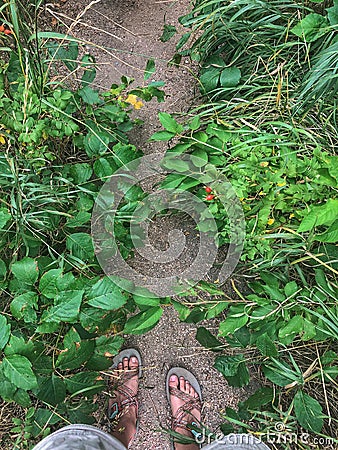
[123, 404]
[179, 405]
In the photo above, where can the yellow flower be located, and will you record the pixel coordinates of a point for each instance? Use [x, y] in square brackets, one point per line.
[264, 164]
[291, 215]
[2, 139]
[132, 99]
[271, 221]
[281, 184]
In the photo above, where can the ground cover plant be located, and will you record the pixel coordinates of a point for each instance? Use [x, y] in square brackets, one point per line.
[60, 320]
[268, 122]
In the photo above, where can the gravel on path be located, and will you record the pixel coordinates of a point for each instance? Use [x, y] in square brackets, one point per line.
[126, 34]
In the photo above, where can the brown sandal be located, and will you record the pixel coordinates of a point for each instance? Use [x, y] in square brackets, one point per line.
[190, 402]
[117, 409]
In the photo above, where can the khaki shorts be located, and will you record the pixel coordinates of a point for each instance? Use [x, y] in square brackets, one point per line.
[86, 437]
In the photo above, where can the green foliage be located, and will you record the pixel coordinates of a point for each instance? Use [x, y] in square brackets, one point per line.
[61, 321]
[267, 122]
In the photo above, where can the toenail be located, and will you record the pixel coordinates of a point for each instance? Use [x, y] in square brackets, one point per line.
[133, 359]
[173, 378]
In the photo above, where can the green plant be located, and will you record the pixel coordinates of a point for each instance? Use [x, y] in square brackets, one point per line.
[267, 122]
[61, 319]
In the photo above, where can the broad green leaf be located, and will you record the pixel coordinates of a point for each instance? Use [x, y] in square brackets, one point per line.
[308, 412]
[195, 123]
[108, 345]
[173, 180]
[75, 355]
[199, 157]
[18, 369]
[26, 270]
[96, 144]
[208, 340]
[82, 413]
[330, 235]
[143, 321]
[80, 172]
[85, 383]
[102, 168]
[291, 288]
[150, 69]
[183, 311]
[231, 324]
[333, 14]
[293, 327]
[311, 28]
[234, 369]
[80, 218]
[230, 77]
[169, 123]
[98, 362]
[5, 331]
[209, 79]
[261, 397]
[168, 32]
[105, 294]
[266, 346]
[81, 246]
[89, 95]
[7, 390]
[66, 309]
[18, 345]
[320, 215]
[145, 302]
[175, 164]
[52, 390]
[22, 398]
[47, 284]
[24, 306]
[309, 330]
[162, 136]
[95, 319]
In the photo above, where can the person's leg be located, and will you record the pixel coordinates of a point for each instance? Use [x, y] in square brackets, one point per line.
[186, 408]
[123, 406]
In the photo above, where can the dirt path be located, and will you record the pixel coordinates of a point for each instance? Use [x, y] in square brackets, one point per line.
[126, 34]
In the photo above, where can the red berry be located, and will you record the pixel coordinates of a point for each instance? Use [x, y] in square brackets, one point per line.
[208, 189]
[2, 28]
[210, 197]
[8, 32]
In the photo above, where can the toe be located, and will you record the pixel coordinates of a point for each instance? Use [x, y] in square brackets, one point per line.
[125, 363]
[173, 381]
[120, 366]
[133, 363]
[182, 384]
[187, 387]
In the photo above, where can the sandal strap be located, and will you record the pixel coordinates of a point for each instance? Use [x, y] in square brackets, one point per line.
[178, 420]
[191, 403]
[173, 390]
[129, 394]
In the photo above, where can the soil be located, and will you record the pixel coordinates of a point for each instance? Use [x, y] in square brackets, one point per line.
[123, 35]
